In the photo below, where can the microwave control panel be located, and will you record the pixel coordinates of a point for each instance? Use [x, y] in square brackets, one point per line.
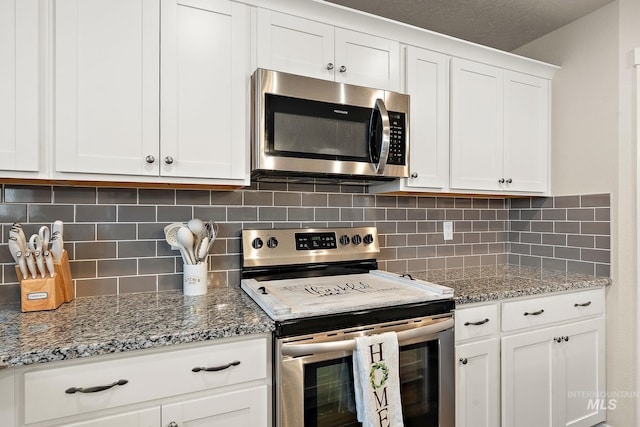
[397, 147]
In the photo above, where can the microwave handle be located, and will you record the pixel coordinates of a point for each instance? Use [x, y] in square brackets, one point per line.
[350, 345]
[386, 135]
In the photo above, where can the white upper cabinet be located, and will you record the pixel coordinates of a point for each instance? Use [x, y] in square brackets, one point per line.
[107, 86]
[301, 46]
[526, 131]
[20, 86]
[499, 129]
[204, 87]
[114, 115]
[428, 88]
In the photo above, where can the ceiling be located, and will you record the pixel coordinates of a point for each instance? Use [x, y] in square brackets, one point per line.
[502, 24]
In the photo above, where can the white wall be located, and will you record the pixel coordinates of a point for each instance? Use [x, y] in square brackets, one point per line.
[594, 151]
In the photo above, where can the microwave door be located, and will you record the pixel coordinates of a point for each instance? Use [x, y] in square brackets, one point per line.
[379, 136]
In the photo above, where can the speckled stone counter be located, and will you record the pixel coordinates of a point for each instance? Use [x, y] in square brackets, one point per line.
[472, 285]
[93, 326]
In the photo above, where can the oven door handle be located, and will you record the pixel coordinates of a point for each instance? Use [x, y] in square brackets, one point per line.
[350, 345]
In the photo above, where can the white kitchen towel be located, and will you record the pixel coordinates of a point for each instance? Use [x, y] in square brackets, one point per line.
[377, 380]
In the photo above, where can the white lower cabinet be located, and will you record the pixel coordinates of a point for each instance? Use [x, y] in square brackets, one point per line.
[478, 366]
[534, 361]
[554, 376]
[241, 408]
[221, 384]
[477, 385]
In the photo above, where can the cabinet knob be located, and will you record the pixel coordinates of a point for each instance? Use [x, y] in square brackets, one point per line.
[172, 424]
[168, 160]
[557, 339]
[463, 360]
[509, 181]
[330, 66]
[150, 159]
[501, 181]
[414, 175]
[565, 338]
[343, 68]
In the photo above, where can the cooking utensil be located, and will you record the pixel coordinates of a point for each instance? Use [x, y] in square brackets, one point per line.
[202, 249]
[31, 264]
[57, 241]
[17, 254]
[198, 229]
[212, 229]
[171, 233]
[35, 245]
[185, 244]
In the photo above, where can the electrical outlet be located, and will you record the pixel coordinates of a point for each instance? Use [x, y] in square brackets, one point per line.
[447, 230]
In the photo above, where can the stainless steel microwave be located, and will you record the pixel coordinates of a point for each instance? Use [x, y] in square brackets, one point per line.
[306, 127]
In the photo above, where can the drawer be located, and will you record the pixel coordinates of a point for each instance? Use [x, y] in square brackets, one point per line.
[149, 377]
[476, 322]
[552, 308]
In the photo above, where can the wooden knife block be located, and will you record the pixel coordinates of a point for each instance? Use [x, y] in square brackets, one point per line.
[40, 293]
[63, 271]
[47, 293]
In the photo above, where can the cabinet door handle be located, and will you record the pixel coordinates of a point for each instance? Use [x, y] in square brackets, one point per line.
[149, 159]
[216, 368]
[509, 181]
[172, 424]
[343, 69]
[501, 181]
[330, 66]
[534, 313]
[94, 389]
[414, 175]
[584, 304]
[168, 160]
[557, 339]
[565, 338]
[463, 360]
[481, 322]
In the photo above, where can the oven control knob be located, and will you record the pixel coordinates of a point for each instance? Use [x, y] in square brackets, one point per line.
[344, 239]
[257, 243]
[368, 239]
[272, 242]
[356, 239]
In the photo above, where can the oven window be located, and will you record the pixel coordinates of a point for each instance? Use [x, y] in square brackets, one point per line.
[329, 397]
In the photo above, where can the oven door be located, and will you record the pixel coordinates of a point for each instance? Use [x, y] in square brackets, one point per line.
[314, 385]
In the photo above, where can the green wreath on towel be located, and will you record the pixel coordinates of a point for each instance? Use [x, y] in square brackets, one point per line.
[372, 375]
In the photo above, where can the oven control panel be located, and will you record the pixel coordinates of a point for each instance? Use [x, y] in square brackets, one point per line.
[308, 245]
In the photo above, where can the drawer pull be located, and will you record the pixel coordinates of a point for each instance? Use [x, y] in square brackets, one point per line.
[464, 361]
[534, 313]
[216, 368]
[481, 322]
[94, 389]
[584, 304]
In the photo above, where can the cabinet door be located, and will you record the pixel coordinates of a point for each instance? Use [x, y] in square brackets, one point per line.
[367, 60]
[205, 82]
[295, 45]
[529, 379]
[477, 384]
[142, 418]
[107, 86]
[428, 87]
[19, 85]
[476, 126]
[582, 374]
[526, 132]
[244, 408]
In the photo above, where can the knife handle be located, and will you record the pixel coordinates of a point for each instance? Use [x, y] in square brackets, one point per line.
[48, 259]
[31, 265]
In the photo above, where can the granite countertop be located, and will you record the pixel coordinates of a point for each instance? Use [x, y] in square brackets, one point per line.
[91, 326]
[473, 285]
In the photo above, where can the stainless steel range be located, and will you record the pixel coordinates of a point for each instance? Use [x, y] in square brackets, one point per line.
[322, 287]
